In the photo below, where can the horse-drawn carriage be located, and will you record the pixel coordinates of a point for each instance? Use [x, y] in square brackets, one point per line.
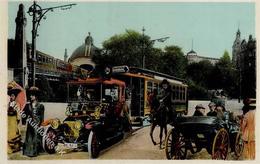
[196, 132]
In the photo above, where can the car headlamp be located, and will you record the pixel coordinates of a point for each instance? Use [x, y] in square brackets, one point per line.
[97, 112]
[68, 111]
[55, 123]
[78, 124]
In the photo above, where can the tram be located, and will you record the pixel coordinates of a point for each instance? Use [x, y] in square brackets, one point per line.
[140, 83]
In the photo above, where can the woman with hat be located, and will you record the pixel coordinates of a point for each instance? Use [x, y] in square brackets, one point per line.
[248, 131]
[14, 136]
[34, 117]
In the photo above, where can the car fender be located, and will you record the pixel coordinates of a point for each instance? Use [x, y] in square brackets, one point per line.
[46, 128]
[93, 125]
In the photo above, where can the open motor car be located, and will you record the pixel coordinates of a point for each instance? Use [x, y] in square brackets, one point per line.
[96, 116]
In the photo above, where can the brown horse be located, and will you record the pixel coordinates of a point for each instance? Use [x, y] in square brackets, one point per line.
[159, 117]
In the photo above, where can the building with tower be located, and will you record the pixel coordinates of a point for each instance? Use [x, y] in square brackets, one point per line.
[17, 57]
[192, 57]
[236, 48]
[244, 60]
[82, 56]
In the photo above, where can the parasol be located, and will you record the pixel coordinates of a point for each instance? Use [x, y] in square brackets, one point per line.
[21, 97]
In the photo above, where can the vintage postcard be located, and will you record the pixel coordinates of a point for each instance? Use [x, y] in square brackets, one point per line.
[122, 80]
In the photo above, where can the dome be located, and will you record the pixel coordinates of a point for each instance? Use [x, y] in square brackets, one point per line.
[83, 54]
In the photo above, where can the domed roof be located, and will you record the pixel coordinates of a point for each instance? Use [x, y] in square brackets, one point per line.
[86, 50]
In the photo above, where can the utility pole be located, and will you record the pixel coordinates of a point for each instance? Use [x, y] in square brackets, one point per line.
[151, 42]
[38, 13]
[143, 55]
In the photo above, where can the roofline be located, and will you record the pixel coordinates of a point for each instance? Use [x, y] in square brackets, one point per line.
[98, 80]
[151, 72]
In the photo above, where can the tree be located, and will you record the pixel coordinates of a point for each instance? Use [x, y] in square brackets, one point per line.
[200, 73]
[225, 76]
[173, 61]
[127, 48]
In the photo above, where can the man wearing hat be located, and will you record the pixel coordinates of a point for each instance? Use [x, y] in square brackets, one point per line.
[14, 136]
[165, 96]
[248, 131]
[199, 110]
[212, 108]
[35, 116]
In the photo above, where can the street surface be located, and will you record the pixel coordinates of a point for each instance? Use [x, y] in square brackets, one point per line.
[137, 145]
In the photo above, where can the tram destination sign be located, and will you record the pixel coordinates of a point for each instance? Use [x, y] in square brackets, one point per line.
[120, 69]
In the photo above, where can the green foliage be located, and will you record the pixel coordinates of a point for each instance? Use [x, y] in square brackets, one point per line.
[128, 49]
[200, 73]
[124, 49]
[205, 76]
[174, 61]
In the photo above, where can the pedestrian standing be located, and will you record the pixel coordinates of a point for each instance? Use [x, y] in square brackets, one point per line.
[248, 131]
[34, 117]
[14, 136]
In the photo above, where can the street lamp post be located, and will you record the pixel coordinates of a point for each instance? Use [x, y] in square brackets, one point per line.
[151, 42]
[38, 13]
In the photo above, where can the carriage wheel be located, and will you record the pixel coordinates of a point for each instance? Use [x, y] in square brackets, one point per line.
[239, 146]
[220, 145]
[175, 145]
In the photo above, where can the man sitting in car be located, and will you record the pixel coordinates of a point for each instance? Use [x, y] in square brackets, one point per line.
[199, 110]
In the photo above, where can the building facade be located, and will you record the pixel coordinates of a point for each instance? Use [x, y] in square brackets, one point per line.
[192, 57]
[244, 60]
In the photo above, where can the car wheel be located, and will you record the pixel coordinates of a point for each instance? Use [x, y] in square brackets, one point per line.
[50, 141]
[93, 145]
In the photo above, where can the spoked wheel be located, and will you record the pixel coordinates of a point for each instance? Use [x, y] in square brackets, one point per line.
[50, 141]
[93, 145]
[175, 145]
[239, 145]
[220, 145]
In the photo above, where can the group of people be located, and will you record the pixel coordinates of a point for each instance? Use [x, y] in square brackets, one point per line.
[247, 122]
[20, 115]
[217, 110]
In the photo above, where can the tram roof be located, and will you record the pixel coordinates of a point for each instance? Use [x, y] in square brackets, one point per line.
[98, 80]
[157, 75]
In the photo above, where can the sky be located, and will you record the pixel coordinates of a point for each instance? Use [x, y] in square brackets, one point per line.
[211, 26]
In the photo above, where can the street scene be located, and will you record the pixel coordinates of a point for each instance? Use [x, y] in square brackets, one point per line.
[125, 80]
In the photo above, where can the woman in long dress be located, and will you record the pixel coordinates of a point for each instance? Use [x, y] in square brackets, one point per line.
[248, 132]
[35, 116]
[14, 136]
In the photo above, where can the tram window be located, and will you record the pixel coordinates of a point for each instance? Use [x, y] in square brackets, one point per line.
[176, 92]
[180, 93]
[184, 93]
[39, 58]
[149, 86]
[155, 86]
[173, 92]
